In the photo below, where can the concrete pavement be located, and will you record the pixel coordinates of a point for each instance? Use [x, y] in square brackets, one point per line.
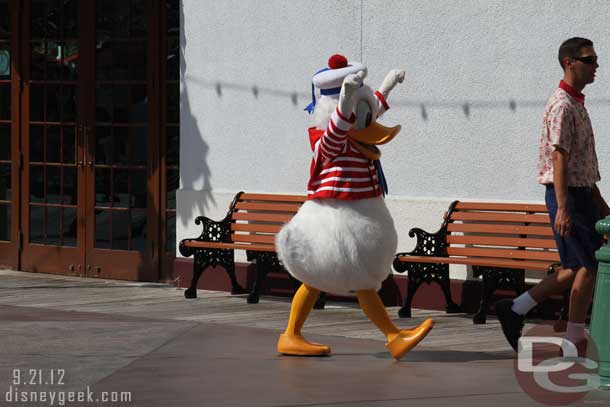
[147, 341]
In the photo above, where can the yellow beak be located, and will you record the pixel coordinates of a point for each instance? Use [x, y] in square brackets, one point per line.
[366, 139]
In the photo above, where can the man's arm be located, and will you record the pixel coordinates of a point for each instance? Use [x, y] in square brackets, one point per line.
[563, 223]
[603, 206]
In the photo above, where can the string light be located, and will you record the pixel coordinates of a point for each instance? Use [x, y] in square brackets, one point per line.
[466, 109]
[512, 105]
[424, 112]
[424, 107]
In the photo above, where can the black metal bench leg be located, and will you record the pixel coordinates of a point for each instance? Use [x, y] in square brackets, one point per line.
[321, 301]
[191, 292]
[565, 308]
[405, 310]
[450, 306]
[235, 287]
[562, 323]
[490, 283]
[261, 273]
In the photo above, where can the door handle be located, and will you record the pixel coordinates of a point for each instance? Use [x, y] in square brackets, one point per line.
[80, 130]
[87, 131]
[80, 136]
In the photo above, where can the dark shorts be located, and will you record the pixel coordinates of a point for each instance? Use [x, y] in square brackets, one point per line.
[579, 248]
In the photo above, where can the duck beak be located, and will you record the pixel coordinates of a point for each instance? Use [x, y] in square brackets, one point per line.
[365, 140]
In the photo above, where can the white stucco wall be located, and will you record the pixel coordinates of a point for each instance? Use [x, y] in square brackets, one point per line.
[459, 55]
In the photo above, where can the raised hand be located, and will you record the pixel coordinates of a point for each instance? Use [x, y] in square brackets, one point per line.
[351, 84]
[393, 78]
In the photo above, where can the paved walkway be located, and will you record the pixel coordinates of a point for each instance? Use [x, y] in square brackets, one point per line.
[147, 340]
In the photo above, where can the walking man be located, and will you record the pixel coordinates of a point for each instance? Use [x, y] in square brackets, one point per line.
[568, 169]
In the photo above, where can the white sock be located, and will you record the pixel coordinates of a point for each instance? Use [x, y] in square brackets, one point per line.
[523, 304]
[575, 332]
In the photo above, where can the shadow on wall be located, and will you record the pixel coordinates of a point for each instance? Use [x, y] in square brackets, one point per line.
[425, 107]
[197, 147]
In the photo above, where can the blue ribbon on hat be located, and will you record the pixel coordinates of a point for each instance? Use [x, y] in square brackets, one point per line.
[312, 105]
[381, 177]
[332, 91]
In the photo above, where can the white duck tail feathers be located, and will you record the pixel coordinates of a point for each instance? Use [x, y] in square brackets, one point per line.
[339, 246]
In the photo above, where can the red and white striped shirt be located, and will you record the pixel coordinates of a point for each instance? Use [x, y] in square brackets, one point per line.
[338, 169]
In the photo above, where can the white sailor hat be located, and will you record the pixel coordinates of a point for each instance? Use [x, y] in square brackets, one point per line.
[330, 79]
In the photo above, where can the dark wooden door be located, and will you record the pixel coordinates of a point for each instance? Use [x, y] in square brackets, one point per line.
[9, 134]
[89, 136]
[91, 185]
[121, 138]
[52, 181]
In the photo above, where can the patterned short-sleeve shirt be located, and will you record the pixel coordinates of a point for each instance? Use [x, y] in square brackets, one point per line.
[567, 126]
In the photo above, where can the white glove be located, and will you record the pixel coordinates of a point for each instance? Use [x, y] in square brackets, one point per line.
[351, 84]
[393, 78]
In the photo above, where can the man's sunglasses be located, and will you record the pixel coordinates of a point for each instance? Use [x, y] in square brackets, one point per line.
[587, 60]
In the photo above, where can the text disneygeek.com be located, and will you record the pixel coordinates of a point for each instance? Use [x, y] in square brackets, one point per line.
[22, 392]
[60, 398]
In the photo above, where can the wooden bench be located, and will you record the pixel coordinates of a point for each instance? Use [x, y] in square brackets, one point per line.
[251, 224]
[499, 240]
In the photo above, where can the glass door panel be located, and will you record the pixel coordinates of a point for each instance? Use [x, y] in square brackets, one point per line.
[97, 110]
[8, 147]
[50, 124]
[170, 138]
[5, 124]
[118, 216]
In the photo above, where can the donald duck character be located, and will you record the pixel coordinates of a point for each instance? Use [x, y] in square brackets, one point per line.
[343, 239]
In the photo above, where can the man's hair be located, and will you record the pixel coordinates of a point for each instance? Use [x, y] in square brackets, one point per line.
[571, 48]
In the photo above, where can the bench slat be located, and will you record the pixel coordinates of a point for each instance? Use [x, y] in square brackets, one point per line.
[273, 207]
[502, 241]
[238, 238]
[272, 198]
[500, 229]
[255, 227]
[503, 253]
[478, 261]
[487, 206]
[263, 217]
[241, 246]
[500, 217]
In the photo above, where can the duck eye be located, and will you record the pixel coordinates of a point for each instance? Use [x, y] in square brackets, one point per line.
[364, 114]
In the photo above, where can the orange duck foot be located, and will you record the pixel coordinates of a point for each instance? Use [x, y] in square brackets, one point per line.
[298, 346]
[409, 332]
[407, 339]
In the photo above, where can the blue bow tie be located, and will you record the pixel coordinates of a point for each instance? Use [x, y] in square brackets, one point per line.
[381, 177]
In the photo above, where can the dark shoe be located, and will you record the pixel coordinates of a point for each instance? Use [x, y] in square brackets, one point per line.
[512, 323]
[560, 325]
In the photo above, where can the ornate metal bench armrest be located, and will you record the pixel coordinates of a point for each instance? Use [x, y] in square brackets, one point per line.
[213, 231]
[427, 244]
[430, 244]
